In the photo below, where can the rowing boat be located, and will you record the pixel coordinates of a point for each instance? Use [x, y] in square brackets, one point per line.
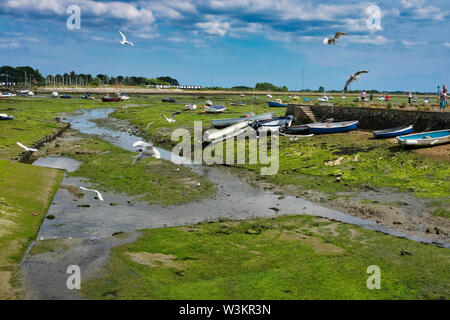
[214, 109]
[393, 132]
[214, 135]
[293, 130]
[425, 139]
[220, 123]
[332, 127]
[272, 125]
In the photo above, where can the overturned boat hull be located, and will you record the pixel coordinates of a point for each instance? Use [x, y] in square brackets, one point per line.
[220, 123]
[214, 135]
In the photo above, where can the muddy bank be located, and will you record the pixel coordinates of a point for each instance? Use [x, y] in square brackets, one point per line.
[45, 270]
[384, 207]
[28, 157]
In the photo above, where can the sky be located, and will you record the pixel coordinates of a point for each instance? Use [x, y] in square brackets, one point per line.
[236, 42]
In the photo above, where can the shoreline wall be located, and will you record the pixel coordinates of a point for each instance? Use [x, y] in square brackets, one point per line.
[374, 118]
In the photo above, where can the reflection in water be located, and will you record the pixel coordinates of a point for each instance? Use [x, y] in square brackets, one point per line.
[68, 164]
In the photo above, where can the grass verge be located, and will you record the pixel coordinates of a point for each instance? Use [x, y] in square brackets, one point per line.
[25, 194]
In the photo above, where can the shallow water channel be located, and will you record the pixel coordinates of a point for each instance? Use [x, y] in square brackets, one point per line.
[87, 231]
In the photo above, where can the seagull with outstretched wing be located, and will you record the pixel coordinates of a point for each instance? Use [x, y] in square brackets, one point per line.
[333, 40]
[26, 148]
[146, 150]
[353, 77]
[124, 40]
[171, 119]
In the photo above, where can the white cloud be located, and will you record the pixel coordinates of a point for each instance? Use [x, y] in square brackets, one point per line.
[375, 40]
[419, 9]
[413, 43]
[446, 44]
[214, 27]
[9, 44]
[115, 9]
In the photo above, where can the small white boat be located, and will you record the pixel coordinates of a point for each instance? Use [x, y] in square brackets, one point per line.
[426, 100]
[424, 139]
[208, 103]
[215, 109]
[30, 93]
[55, 94]
[7, 95]
[381, 98]
[191, 107]
[124, 97]
[323, 99]
[269, 96]
[214, 135]
[343, 97]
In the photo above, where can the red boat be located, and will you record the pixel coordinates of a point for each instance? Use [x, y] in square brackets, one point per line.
[111, 99]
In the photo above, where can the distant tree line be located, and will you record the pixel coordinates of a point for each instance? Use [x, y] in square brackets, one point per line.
[73, 78]
[29, 76]
[25, 75]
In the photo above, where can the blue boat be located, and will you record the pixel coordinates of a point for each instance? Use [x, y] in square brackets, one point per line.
[6, 117]
[276, 104]
[393, 132]
[332, 127]
[307, 99]
[65, 96]
[425, 139]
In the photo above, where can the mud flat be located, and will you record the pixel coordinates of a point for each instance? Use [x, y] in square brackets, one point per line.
[83, 230]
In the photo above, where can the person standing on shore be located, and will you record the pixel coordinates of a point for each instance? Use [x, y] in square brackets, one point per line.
[363, 96]
[443, 98]
[409, 97]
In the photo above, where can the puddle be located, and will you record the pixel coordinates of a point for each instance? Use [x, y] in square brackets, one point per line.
[64, 163]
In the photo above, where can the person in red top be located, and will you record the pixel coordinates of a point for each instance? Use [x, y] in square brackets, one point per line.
[387, 98]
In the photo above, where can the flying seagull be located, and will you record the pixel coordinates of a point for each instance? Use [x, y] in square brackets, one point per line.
[149, 124]
[99, 195]
[353, 77]
[146, 150]
[333, 40]
[171, 119]
[125, 41]
[26, 148]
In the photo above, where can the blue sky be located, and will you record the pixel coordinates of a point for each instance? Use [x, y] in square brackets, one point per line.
[235, 42]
